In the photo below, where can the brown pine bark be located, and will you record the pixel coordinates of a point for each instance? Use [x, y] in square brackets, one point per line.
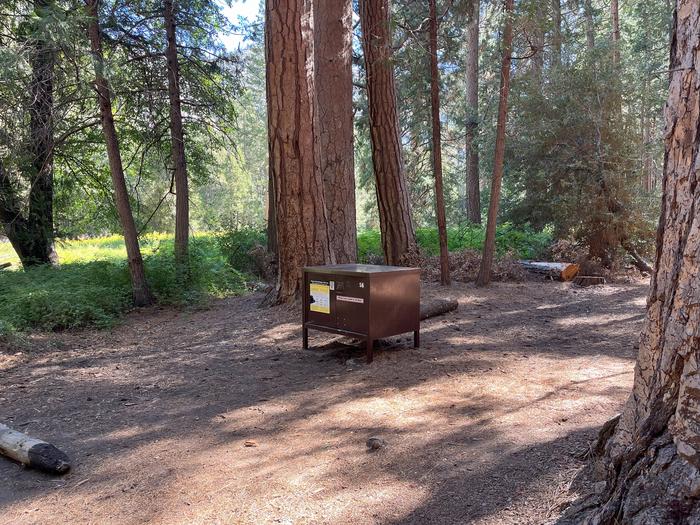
[484, 277]
[472, 79]
[334, 121]
[556, 33]
[437, 147]
[32, 233]
[300, 208]
[648, 467]
[140, 291]
[398, 234]
[271, 216]
[177, 137]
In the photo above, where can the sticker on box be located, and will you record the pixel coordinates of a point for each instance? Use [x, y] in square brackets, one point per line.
[320, 297]
[347, 299]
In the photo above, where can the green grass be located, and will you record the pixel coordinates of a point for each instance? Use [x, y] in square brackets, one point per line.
[92, 287]
[524, 243]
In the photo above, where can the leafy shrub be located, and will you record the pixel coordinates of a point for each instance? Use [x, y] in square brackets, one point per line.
[238, 245]
[97, 293]
[525, 243]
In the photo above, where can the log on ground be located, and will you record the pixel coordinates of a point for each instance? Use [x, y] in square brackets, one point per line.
[556, 270]
[32, 452]
[437, 307]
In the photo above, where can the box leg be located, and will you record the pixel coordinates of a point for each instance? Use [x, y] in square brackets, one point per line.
[305, 338]
[416, 339]
[369, 345]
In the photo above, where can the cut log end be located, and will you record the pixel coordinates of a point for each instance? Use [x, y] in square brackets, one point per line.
[47, 458]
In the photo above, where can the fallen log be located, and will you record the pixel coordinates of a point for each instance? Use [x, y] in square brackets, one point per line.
[437, 307]
[559, 271]
[5, 265]
[588, 280]
[31, 452]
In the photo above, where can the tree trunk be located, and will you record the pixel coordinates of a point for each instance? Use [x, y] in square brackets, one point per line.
[650, 466]
[556, 33]
[301, 220]
[334, 121]
[590, 24]
[484, 277]
[437, 148]
[140, 291]
[177, 136]
[271, 216]
[398, 235]
[32, 235]
[615, 22]
[472, 78]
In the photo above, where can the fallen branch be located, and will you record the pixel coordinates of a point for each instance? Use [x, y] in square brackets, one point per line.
[437, 307]
[559, 271]
[5, 265]
[637, 259]
[31, 452]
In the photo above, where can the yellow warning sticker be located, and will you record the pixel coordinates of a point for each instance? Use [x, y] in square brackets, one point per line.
[320, 298]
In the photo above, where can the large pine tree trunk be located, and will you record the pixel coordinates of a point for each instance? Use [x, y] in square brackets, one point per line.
[437, 147]
[300, 208]
[484, 277]
[31, 233]
[140, 291]
[177, 136]
[398, 235]
[334, 121]
[472, 78]
[648, 471]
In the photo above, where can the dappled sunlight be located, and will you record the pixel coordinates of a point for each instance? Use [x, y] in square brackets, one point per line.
[232, 418]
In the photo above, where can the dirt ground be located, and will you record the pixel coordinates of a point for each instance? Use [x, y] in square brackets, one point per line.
[219, 416]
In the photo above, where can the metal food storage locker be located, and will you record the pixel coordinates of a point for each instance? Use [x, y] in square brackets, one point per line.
[364, 301]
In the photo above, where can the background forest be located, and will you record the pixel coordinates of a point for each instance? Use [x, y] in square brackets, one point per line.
[583, 151]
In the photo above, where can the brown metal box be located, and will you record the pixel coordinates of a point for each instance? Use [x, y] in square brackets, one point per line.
[364, 301]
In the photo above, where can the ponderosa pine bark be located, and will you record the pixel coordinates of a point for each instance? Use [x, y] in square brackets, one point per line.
[140, 290]
[472, 79]
[31, 232]
[334, 121]
[177, 137]
[300, 208]
[398, 234]
[437, 147]
[647, 467]
[484, 277]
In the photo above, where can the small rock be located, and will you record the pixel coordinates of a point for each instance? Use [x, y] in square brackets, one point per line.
[375, 443]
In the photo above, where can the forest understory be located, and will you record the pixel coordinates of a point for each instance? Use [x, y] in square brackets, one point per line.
[218, 416]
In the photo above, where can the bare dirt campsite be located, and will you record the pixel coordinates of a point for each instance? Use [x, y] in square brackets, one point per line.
[217, 415]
